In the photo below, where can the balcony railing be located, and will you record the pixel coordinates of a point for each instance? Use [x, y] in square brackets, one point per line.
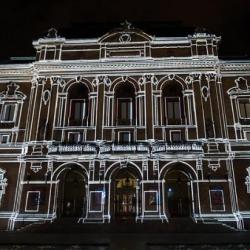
[106, 148]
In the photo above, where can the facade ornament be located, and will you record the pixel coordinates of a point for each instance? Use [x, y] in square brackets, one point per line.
[55, 80]
[171, 77]
[214, 166]
[154, 80]
[205, 92]
[46, 96]
[241, 83]
[188, 79]
[195, 76]
[52, 33]
[36, 167]
[211, 77]
[78, 79]
[12, 92]
[141, 81]
[95, 81]
[125, 38]
[124, 78]
[107, 81]
[126, 25]
[41, 80]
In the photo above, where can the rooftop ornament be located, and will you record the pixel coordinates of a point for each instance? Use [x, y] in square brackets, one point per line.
[52, 33]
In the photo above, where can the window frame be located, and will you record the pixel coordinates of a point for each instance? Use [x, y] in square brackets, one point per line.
[84, 112]
[3, 112]
[173, 119]
[118, 119]
[241, 101]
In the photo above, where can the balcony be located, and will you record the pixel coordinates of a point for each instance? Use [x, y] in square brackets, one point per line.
[110, 148]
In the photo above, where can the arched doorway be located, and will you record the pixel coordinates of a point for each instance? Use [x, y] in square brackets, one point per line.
[178, 193]
[125, 194]
[72, 194]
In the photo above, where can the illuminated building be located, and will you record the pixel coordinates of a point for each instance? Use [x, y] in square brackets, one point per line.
[125, 126]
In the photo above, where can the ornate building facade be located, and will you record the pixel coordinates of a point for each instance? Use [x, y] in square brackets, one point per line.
[126, 126]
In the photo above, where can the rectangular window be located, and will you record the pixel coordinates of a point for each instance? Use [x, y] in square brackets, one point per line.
[74, 137]
[78, 113]
[9, 113]
[124, 111]
[175, 135]
[173, 109]
[244, 105]
[32, 201]
[4, 138]
[124, 137]
[216, 200]
[95, 204]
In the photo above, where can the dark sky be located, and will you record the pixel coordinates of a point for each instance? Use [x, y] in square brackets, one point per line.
[21, 22]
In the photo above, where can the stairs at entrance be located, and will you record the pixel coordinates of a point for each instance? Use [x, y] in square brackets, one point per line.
[175, 225]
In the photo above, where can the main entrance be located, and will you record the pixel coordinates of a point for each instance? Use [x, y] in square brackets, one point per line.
[177, 194]
[125, 196]
[72, 197]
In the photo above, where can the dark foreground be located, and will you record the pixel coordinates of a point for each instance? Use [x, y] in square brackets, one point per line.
[178, 234]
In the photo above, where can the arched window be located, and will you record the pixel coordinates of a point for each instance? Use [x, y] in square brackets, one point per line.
[78, 105]
[172, 103]
[125, 104]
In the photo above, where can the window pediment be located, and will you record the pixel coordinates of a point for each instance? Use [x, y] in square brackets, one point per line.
[12, 93]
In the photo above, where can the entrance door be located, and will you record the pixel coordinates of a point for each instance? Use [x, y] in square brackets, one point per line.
[73, 198]
[178, 195]
[125, 196]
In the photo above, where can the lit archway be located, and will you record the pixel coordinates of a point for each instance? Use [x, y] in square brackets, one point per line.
[178, 190]
[125, 198]
[71, 194]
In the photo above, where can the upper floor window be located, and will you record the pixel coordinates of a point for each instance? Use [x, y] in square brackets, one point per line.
[11, 102]
[124, 111]
[244, 106]
[78, 98]
[78, 112]
[8, 112]
[125, 104]
[173, 109]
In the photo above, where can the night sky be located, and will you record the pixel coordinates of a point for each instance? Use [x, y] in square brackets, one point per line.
[22, 22]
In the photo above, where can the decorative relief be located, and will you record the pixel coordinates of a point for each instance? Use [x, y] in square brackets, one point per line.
[107, 81]
[171, 77]
[188, 80]
[195, 76]
[125, 38]
[124, 78]
[205, 92]
[41, 80]
[46, 96]
[211, 77]
[214, 165]
[55, 80]
[36, 167]
[241, 83]
[12, 92]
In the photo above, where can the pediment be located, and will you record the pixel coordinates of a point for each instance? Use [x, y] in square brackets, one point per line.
[125, 36]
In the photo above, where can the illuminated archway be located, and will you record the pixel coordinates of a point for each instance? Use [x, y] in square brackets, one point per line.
[178, 190]
[71, 198]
